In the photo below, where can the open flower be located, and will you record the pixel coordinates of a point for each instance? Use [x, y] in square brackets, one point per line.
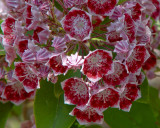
[25, 75]
[77, 24]
[104, 99]
[96, 64]
[76, 92]
[87, 116]
[15, 92]
[118, 77]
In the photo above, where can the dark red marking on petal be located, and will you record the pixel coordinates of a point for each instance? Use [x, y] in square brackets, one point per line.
[104, 99]
[76, 91]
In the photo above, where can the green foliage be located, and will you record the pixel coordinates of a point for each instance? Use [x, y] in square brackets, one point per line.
[121, 1]
[77, 125]
[29, 33]
[58, 6]
[144, 87]
[0, 27]
[4, 111]
[106, 21]
[17, 110]
[2, 51]
[155, 104]
[50, 111]
[140, 116]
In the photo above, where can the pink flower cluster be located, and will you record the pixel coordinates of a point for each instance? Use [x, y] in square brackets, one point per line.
[41, 43]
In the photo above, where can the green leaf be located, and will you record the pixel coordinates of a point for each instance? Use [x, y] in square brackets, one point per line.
[106, 20]
[144, 87]
[29, 33]
[63, 115]
[50, 111]
[0, 26]
[121, 1]
[2, 51]
[77, 125]
[71, 73]
[140, 116]
[17, 110]
[4, 111]
[58, 6]
[94, 126]
[155, 104]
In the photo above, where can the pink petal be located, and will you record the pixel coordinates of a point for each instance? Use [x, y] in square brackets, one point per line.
[15, 93]
[96, 64]
[43, 36]
[68, 3]
[30, 83]
[114, 36]
[118, 77]
[74, 61]
[10, 54]
[55, 63]
[87, 116]
[36, 32]
[29, 56]
[26, 76]
[136, 12]
[13, 3]
[122, 47]
[130, 28]
[136, 59]
[8, 39]
[8, 25]
[150, 62]
[130, 94]
[118, 12]
[104, 8]
[77, 24]
[59, 44]
[22, 46]
[75, 92]
[43, 55]
[104, 99]
[140, 78]
[2, 73]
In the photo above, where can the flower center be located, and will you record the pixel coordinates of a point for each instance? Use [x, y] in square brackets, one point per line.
[80, 25]
[80, 88]
[94, 60]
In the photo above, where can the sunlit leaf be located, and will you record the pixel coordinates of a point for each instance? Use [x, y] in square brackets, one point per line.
[50, 111]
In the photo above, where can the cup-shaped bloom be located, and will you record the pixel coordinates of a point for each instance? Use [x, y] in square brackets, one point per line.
[77, 24]
[96, 64]
[76, 92]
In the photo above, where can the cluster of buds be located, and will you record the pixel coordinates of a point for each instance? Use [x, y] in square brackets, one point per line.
[41, 42]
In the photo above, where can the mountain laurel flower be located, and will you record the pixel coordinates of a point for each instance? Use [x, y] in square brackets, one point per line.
[96, 53]
[96, 64]
[77, 24]
[74, 61]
